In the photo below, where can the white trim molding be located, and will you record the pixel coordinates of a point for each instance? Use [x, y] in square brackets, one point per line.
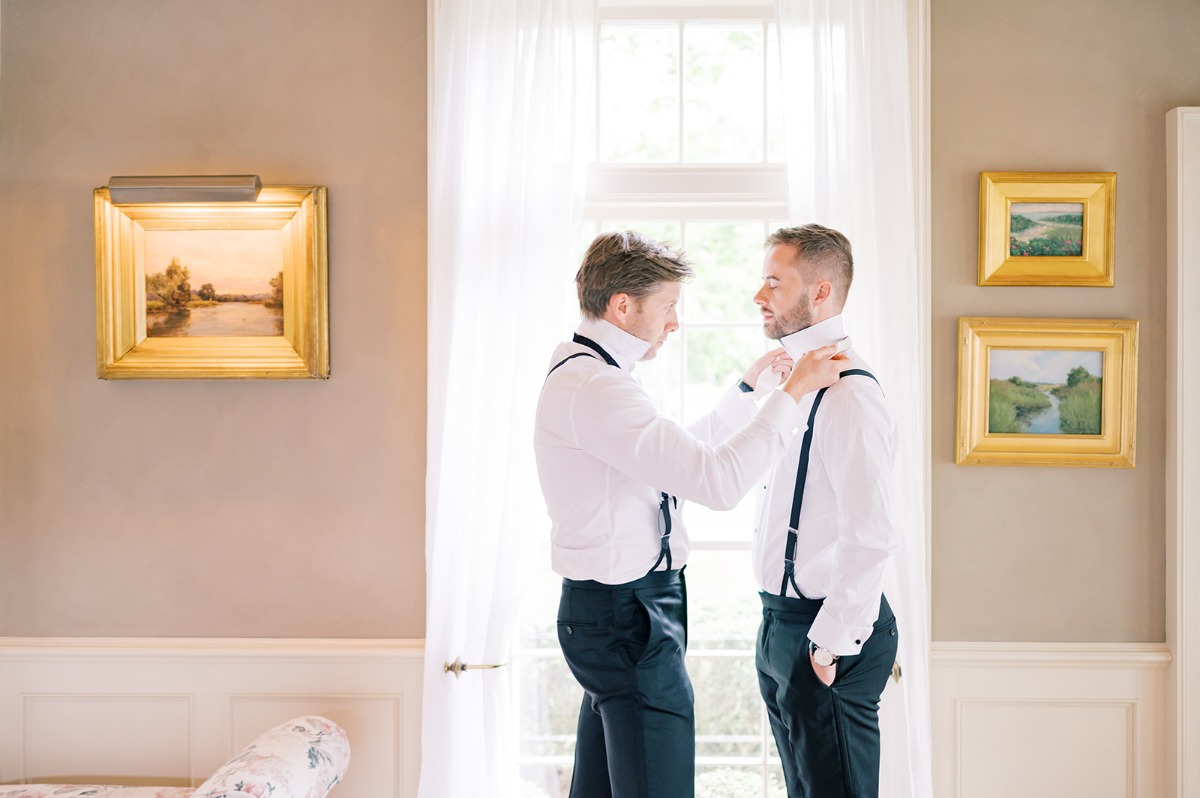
[1049, 719]
[1183, 446]
[169, 712]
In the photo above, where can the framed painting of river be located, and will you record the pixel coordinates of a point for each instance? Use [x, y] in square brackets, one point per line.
[213, 290]
[1047, 228]
[1046, 392]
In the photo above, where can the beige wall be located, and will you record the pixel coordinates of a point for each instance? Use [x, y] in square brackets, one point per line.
[213, 508]
[1050, 554]
[296, 509]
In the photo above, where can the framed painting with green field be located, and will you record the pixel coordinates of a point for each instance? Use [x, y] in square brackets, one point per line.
[1047, 228]
[213, 290]
[1046, 392]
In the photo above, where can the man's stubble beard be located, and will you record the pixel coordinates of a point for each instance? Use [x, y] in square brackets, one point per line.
[796, 319]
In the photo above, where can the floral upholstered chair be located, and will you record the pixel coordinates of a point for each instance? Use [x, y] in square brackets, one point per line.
[303, 758]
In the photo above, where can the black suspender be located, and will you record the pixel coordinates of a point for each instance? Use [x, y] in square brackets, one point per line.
[789, 555]
[569, 357]
[664, 506]
[588, 342]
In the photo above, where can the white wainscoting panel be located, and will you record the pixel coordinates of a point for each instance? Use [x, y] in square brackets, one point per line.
[1049, 720]
[170, 712]
[157, 728]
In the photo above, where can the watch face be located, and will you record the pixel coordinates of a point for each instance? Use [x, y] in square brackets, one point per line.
[823, 657]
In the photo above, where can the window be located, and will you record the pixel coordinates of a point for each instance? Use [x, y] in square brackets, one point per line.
[688, 150]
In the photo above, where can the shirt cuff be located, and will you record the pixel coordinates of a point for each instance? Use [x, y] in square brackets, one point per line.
[736, 409]
[842, 639]
[781, 412]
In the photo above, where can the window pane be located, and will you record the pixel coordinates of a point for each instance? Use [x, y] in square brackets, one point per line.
[639, 94]
[723, 93]
[735, 525]
[723, 604]
[727, 781]
[545, 781]
[716, 359]
[662, 378]
[728, 707]
[549, 705]
[727, 257]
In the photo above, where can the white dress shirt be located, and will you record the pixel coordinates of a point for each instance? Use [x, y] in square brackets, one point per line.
[846, 531]
[604, 454]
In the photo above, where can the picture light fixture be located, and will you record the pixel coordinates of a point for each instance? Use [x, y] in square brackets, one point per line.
[184, 188]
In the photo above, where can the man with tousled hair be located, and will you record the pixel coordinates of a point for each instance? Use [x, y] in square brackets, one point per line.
[614, 473]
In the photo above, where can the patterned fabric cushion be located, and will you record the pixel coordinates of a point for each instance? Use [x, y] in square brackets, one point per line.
[303, 758]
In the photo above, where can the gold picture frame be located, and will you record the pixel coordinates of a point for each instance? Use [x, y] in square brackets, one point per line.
[287, 223]
[1046, 392]
[1047, 228]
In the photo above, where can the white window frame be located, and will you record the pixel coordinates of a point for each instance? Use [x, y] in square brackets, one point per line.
[722, 192]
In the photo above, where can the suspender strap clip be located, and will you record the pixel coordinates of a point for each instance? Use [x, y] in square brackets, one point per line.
[664, 550]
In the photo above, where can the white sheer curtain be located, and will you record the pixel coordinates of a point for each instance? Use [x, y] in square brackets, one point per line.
[845, 81]
[512, 86]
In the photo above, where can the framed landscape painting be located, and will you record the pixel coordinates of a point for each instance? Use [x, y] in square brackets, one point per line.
[1048, 392]
[213, 290]
[1047, 228]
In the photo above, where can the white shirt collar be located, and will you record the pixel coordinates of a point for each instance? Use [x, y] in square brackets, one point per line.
[625, 348]
[820, 334]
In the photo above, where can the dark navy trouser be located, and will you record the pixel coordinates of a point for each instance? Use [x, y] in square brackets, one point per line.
[625, 645]
[828, 736]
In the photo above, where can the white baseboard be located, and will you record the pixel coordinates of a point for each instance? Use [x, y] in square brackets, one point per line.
[170, 711]
[1048, 720]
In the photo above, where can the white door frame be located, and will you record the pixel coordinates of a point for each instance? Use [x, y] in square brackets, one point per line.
[1183, 448]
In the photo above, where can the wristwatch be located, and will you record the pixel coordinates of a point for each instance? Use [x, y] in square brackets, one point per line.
[822, 656]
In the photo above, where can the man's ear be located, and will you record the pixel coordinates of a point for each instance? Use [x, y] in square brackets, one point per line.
[824, 292]
[619, 306]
